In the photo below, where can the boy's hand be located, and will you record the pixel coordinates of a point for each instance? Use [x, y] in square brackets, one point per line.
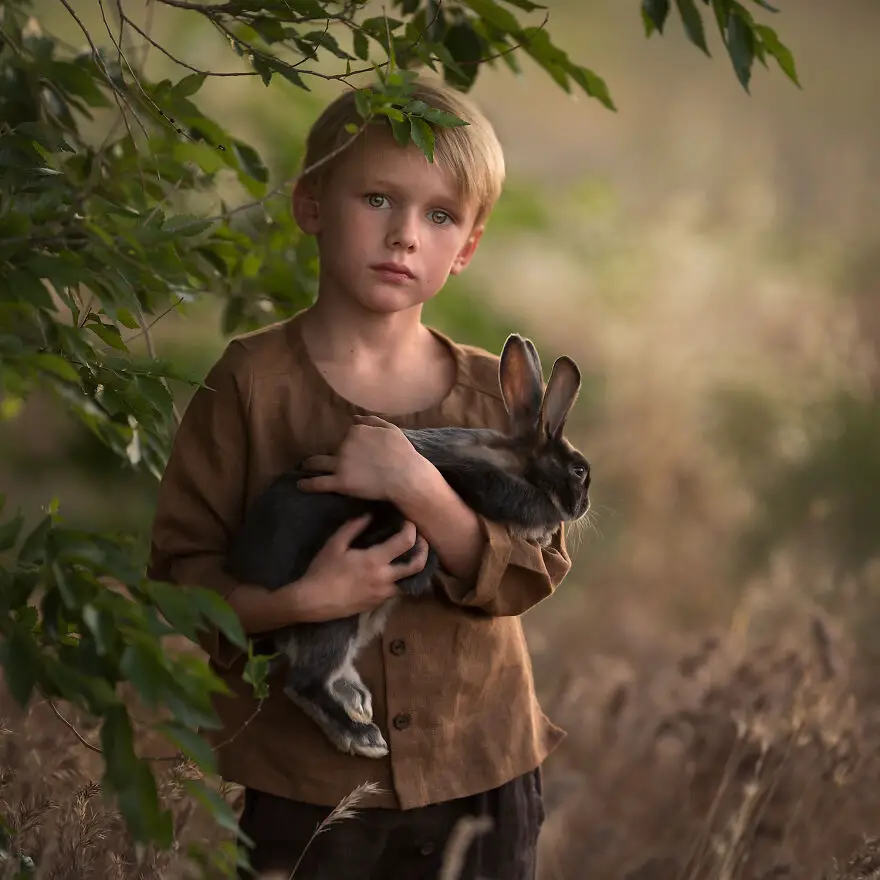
[375, 461]
[342, 581]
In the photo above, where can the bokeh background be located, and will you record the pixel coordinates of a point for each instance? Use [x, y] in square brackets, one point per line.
[711, 260]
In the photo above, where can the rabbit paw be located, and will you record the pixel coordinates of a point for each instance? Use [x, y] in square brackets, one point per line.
[368, 742]
[356, 700]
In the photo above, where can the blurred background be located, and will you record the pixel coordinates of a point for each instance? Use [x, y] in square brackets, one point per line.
[711, 260]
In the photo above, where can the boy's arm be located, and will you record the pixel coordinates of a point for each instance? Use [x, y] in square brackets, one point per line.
[202, 490]
[482, 565]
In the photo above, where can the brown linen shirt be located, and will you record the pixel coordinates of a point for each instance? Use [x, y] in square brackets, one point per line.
[451, 680]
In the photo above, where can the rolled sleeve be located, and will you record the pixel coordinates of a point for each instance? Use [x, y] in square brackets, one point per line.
[201, 494]
[514, 574]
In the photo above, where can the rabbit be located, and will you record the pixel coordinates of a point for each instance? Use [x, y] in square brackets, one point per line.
[530, 479]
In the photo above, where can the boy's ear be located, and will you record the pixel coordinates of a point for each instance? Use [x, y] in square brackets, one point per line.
[306, 207]
[463, 257]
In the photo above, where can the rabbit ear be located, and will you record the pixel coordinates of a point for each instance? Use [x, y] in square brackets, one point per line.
[562, 391]
[522, 385]
[536, 361]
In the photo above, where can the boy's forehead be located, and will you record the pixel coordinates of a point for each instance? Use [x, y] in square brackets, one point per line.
[379, 159]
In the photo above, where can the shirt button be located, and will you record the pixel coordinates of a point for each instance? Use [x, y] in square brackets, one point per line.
[426, 849]
[397, 647]
[401, 721]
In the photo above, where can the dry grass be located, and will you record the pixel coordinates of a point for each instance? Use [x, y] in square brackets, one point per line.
[747, 756]
[751, 756]
[51, 799]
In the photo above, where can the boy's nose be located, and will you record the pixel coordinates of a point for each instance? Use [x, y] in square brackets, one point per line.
[403, 235]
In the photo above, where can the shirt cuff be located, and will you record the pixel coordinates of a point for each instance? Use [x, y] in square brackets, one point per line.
[494, 562]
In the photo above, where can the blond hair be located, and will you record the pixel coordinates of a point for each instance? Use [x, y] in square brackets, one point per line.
[472, 153]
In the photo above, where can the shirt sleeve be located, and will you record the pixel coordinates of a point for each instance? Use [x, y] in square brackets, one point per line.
[201, 495]
[514, 574]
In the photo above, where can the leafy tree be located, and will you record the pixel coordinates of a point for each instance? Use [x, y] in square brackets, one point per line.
[103, 235]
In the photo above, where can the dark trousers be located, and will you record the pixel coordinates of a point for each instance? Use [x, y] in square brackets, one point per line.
[378, 844]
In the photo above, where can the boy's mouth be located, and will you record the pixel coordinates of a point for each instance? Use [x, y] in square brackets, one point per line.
[393, 270]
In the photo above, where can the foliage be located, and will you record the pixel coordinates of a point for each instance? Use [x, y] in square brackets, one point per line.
[744, 39]
[102, 235]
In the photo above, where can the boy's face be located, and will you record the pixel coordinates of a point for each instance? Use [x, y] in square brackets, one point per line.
[391, 227]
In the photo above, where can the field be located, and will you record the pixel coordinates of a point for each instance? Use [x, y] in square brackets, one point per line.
[711, 260]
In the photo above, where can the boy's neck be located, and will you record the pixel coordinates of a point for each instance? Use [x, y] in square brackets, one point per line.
[338, 334]
[384, 363]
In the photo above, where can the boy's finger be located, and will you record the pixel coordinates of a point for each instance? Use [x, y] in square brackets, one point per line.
[327, 483]
[327, 463]
[374, 421]
[413, 565]
[350, 529]
[399, 543]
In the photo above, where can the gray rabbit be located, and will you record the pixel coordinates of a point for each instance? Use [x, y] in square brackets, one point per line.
[529, 479]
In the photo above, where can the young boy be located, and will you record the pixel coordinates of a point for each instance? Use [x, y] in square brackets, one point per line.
[451, 679]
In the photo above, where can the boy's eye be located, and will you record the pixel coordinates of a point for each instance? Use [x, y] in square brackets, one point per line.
[376, 200]
[440, 217]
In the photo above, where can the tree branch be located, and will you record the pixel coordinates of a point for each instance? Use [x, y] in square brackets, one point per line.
[184, 64]
[153, 758]
[118, 93]
[305, 172]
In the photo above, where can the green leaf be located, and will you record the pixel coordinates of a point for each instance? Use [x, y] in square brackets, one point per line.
[527, 5]
[422, 136]
[132, 782]
[155, 392]
[222, 812]
[27, 286]
[436, 116]
[178, 607]
[377, 24]
[34, 547]
[109, 333]
[363, 103]
[495, 15]
[218, 613]
[191, 744]
[256, 672]
[781, 52]
[117, 743]
[127, 319]
[9, 532]
[60, 271]
[654, 13]
[361, 45]
[187, 224]
[251, 161]
[19, 657]
[101, 625]
[592, 84]
[741, 48]
[765, 5]
[400, 129]
[57, 366]
[293, 77]
[233, 315]
[143, 665]
[189, 85]
[263, 68]
[80, 78]
[693, 23]
[465, 46]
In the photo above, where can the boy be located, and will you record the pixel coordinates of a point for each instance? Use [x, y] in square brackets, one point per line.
[451, 679]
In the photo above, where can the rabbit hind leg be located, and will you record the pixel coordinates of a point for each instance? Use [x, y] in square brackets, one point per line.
[321, 680]
[350, 737]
